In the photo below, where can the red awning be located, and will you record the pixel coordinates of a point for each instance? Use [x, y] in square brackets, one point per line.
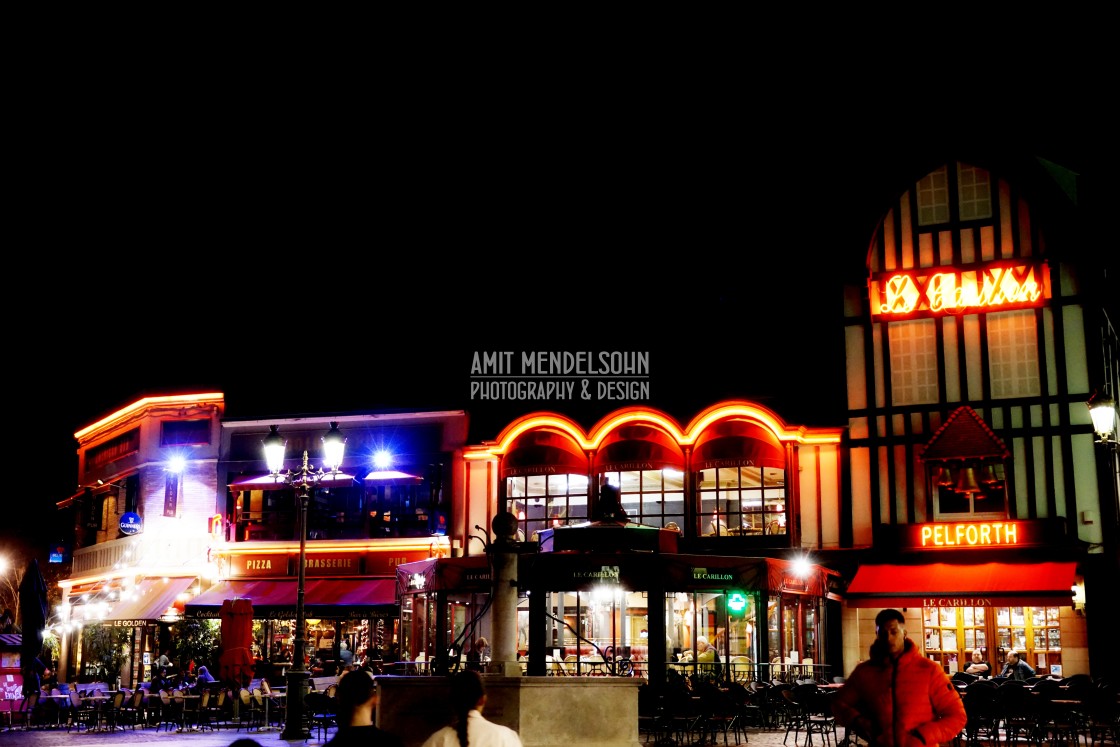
[958, 585]
[275, 599]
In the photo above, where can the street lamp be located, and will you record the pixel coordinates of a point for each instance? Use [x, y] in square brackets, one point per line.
[1103, 412]
[303, 480]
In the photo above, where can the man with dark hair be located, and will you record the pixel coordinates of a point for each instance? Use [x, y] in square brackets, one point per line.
[1015, 668]
[357, 700]
[609, 506]
[899, 698]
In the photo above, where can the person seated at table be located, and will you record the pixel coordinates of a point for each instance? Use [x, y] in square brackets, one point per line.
[707, 655]
[204, 677]
[477, 655]
[1015, 668]
[161, 681]
[345, 655]
[979, 665]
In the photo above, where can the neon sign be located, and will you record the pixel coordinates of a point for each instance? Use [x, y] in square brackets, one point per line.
[938, 291]
[971, 534]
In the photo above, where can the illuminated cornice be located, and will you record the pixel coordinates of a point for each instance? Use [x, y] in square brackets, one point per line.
[140, 405]
[388, 544]
[722, 411]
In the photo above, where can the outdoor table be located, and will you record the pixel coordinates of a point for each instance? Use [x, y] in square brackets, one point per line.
[267, 726]
[60, 699]
[99, 702]
[183, 714]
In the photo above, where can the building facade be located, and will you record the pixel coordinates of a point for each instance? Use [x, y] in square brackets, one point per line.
[977, 493]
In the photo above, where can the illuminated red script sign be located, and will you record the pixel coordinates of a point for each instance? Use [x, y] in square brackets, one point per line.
[944, 290]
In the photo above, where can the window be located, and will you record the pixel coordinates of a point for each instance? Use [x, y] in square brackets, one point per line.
[1013, 354]
[651, 496]
[974, 192]
[933, 198]
[184, 432]
[742, 501]
[1034, 632]
[951, 633]
[542, 501]
[113, 449]
[913, 347]
[989, 502]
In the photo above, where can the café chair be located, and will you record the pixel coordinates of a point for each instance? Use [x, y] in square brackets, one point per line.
[320, 710]
[170, 711]
[132, 711]
[249, 714]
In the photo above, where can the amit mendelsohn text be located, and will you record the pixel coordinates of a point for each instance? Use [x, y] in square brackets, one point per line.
[507, 374]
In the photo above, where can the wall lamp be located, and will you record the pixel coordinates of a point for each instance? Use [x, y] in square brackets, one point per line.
[1102, 409]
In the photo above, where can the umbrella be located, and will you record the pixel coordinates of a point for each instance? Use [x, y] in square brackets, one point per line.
[236, 660]
[33, 618]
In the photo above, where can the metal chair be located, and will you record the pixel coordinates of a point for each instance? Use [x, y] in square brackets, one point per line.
[319, 709]
[170, 711]
[249, 714]
[132, 711]
[980, 706]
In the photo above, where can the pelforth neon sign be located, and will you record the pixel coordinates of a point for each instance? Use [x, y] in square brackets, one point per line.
[944, 290]
[971, 534]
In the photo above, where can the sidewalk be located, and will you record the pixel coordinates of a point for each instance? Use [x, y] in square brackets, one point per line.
[143, 736]
[223, 737]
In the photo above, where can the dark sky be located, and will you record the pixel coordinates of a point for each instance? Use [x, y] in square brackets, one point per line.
[341, 281]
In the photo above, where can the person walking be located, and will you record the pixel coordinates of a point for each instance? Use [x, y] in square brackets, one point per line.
[899, 698]
[356, 697]
[470, 728]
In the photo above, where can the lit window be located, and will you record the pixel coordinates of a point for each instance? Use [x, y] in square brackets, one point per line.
[1013, 354]
[933, 198]
[913, 362]
[974, 192]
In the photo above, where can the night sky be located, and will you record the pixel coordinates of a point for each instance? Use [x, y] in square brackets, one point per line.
[339, 281]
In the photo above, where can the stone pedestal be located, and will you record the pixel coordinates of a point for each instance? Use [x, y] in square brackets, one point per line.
[545, 711]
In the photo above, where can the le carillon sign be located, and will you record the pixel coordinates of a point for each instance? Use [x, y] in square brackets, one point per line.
[937, 291]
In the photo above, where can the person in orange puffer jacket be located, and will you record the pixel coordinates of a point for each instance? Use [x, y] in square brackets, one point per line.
[899, 698]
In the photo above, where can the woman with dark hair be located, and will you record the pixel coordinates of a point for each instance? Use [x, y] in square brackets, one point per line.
[470, 728]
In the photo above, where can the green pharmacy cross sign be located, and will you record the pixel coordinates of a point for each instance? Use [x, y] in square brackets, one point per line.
[736, 602]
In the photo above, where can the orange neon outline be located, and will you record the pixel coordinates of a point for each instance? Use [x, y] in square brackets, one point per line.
[639, 414]
[140, 404]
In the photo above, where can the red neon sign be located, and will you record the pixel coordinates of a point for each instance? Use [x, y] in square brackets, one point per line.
[970, 534]
[937, 291]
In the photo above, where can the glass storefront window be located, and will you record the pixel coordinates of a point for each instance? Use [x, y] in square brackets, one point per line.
[653, 497]
[741, 501]
[951, 633]
[542, 501]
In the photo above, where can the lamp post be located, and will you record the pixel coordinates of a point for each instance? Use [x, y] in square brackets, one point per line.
[303, 480]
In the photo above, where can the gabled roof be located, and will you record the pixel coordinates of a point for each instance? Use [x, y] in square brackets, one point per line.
[964, 435]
